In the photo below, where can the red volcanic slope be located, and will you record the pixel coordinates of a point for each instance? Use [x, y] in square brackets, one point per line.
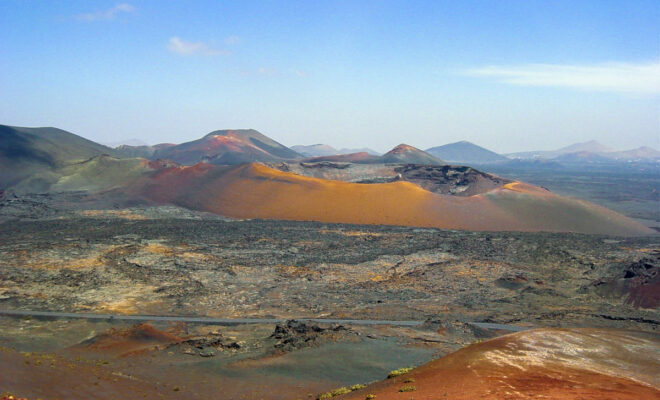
[133, 340]
[256, 191]
[587, 364]
[228, 147]
[404, 153]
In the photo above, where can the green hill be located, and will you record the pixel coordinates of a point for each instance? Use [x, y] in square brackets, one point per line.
[28, 151]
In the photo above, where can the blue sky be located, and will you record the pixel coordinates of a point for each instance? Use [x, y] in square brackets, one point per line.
[509, 75]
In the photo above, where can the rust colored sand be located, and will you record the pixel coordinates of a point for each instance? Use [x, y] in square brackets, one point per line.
[256, 191]
[131, 341]
[587, 364]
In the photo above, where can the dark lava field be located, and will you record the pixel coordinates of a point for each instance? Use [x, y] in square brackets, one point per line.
[132, 264]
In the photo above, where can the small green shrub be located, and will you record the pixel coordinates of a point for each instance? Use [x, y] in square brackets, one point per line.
[340, 391]
[370, 397]
[408, 388]
[398, 372]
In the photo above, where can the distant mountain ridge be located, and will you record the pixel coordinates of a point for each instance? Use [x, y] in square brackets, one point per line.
[315, 150]
[126, 150]
[592, 151]
[401, 154]
[320, 150]
[644, 152]
[465, 152]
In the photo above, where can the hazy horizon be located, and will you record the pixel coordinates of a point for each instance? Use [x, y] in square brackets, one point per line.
[509, 76]
[139, 142]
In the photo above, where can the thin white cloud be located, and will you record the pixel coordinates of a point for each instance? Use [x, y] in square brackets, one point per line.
[641, 78]
[105, 15]
[232, 40]
[178, 46]
[267, 71]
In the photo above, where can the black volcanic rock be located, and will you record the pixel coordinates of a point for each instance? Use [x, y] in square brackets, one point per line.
[638, 283]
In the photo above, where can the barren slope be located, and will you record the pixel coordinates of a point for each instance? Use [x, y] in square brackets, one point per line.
[256, 191]
[544, 363]
[28, 151]
[227, 147]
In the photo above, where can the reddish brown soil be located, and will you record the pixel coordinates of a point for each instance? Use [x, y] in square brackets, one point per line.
[646, 295]
[49, 377]
[527, 365]
[124, 342]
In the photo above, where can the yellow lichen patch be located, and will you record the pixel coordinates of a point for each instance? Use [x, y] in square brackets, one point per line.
[350, 233]
[196, 256]
[125, 214]
[177, 251]
[470, 273]
[128, 306]
[378, 277]
[82, 263]
[67, 263]
[125, 299]
[293, 270]
[157, 248]
[641, 249]
[124, 306]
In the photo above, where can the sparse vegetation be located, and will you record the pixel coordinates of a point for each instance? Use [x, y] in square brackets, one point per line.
[408, 388]
[342, 390]
[370, 397]
[409, 380]
[399, 372]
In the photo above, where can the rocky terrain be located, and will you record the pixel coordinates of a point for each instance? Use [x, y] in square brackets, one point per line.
[459, 286]
[136, 264]
[124, 276]
[440, 179]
